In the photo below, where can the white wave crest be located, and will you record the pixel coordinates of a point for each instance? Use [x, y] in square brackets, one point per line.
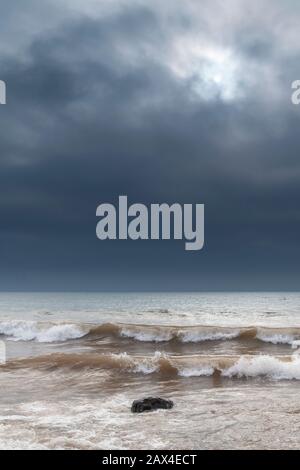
[158, 335]
[33, 331]
[265, 366]
[144, 366]
[147, 336]
[276, 338]
[196, 372]
[197, 337]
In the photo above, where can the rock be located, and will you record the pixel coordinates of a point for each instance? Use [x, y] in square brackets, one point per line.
[151, 404]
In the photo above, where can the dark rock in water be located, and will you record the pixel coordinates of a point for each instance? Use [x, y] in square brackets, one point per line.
[151, 404]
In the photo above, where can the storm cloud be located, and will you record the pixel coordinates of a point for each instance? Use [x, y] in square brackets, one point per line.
[168, 101]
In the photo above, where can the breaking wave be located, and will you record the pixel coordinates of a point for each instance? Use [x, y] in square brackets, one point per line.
[40, 332]
[48, 332]
[199, 333]
[277, 368]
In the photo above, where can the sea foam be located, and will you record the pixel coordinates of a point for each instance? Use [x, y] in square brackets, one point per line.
[33, 331]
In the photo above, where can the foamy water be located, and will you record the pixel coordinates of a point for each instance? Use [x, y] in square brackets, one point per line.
[75, 362]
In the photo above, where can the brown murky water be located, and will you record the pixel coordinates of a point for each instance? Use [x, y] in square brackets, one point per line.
[69, 384]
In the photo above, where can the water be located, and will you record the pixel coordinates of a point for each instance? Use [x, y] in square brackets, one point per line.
[76, 361]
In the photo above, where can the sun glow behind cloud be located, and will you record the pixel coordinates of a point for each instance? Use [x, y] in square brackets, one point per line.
[211, 71]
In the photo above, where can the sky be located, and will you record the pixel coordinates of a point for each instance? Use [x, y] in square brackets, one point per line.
[162, 101]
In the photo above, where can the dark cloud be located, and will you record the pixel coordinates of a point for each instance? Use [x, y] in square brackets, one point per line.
[95, 110]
